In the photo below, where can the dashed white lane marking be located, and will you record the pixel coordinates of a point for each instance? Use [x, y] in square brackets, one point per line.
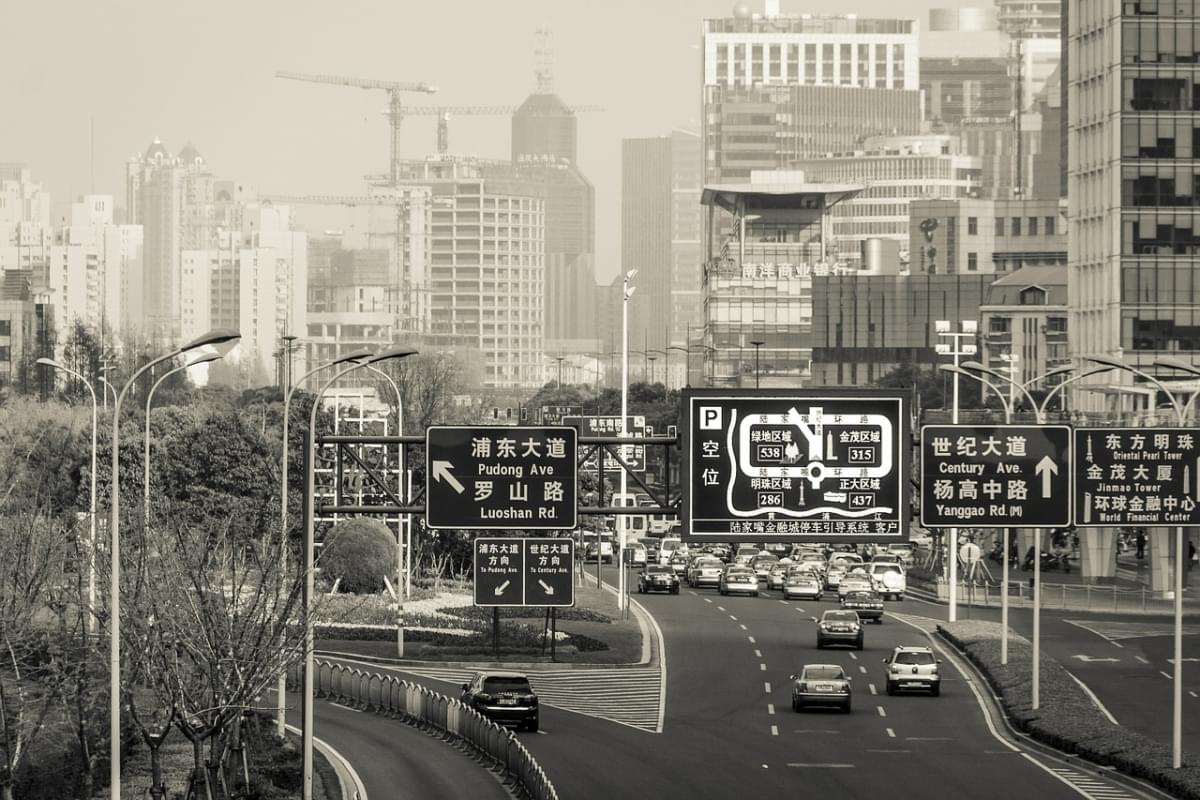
[814, 619]
[1116, 644]
[767, 687]
[862, 669]
[743, 627]
[891, 733]
[693, 594]
[770, 708]
[720, 608]
[784, 602]
[853, 657]
[1142, 659]
[751, 638]
[871, 686]
[708, 599]
[1166, 675]
[758, 653]
[1193, 694]
[762, 667]
[348, 708]
[881, 710]
[891, 750]
[732, 617]
[774, 730]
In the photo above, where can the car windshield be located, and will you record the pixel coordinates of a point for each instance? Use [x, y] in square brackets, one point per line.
[841, 616]
[914, 658]
[496, 685]
[708, 561]
[764, 559]
[823, 674]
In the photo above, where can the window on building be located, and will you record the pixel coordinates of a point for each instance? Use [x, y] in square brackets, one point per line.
[1016, 226]
[1050, 226]
[999, 226]
[972, 225]
[1056, 325]
[972, 262]
[1033, 296]
[1033, 226]
[999, 325]
[5, 327]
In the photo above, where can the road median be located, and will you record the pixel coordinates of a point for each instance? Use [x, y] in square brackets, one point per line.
[1068, 718]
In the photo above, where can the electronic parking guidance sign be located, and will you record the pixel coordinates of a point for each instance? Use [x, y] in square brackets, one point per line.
[498, 478]
[524, 572]
[1137, 476]
[811, 466]
[996, 476]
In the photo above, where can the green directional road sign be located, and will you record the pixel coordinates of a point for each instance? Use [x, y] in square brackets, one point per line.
[996, 476]
[524, 572]
[499, 478]
[1137, 476]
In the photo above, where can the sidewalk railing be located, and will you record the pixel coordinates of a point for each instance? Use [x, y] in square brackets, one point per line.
[1062, 595]
[435, 714]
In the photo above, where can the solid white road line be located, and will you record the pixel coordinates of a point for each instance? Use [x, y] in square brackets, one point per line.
[662, 665]
[1095, 700]
[359, 790]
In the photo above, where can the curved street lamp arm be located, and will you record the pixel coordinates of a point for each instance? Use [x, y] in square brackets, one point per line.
[975, 366]
[1059, 387]
[1121, 365]
[1003, 400]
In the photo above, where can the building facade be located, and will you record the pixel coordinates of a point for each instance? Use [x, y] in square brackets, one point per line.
[25, 234]
[896, 171]
[1024, 323]
[1133, 242]
[864, 326]
[986, 236]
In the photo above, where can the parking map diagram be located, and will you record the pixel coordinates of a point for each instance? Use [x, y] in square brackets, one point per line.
[830, 467]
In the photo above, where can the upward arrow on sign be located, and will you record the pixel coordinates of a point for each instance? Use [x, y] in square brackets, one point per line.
[1047, 468]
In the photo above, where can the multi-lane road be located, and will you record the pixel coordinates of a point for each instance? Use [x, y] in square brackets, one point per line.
[728, 728]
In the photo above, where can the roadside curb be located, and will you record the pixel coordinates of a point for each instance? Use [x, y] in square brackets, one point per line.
[531, 666]
[352, 785]
[995, 709]
[930, 597]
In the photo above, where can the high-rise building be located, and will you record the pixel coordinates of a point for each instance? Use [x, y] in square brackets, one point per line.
[95, 269]
[986, 236]
[254, 281]
[896, 171]
[687, 229]
[1135, 226]
[487, 264]
[25, 233]
[958, 89]
[544, 125]
[1024, 323]
[780, 88]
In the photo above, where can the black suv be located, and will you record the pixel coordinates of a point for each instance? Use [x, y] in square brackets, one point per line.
[504, 697]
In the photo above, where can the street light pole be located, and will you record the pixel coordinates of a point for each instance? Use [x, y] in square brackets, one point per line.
[49, 362]
[215, 337]
[310, 559]
[622, 519]
[968, 330]
[758, 343]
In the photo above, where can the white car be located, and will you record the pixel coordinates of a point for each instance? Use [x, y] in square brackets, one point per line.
[905, 551]
[635, 553]
[888, 579]
[802, 585]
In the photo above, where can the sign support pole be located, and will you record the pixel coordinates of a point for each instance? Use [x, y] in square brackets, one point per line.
[1177, 720]
[553, 631]
[1037, 618]
[953, 549]
[496, 633]
[1004, 600]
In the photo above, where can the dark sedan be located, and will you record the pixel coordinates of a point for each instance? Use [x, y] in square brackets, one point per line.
[503, 697]
[658, 578]
[868, 605]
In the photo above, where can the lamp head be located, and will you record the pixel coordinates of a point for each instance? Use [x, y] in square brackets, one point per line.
[355, 357]
[49, 362]
[195, 362]
[214, 337]
[391, 353]
[1108, 361]
[629, 275]
[1175, 363]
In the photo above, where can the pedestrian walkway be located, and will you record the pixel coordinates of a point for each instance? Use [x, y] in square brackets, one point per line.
[626, 695]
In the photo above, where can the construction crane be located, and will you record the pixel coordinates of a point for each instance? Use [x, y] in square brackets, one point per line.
[443, 113]
[395, 109]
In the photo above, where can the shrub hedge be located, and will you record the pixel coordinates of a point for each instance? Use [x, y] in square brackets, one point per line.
[571, 614]
[1067, 719]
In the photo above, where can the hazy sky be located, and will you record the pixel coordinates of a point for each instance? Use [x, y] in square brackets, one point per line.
[204, 72]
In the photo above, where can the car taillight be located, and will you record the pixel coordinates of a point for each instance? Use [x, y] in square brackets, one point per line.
[934, 671]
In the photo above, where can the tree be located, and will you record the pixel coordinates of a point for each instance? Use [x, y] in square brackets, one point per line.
[932, 387]
[358, 553]
[431, 386]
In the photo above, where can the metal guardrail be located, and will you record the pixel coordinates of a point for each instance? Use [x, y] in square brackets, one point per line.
[435, 714]
[1097, 597]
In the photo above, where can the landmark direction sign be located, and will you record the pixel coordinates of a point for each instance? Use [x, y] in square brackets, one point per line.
[1137, 476]
[996, 476]
[633, 454]
[524, 572]
[497, 478]
[817, 466]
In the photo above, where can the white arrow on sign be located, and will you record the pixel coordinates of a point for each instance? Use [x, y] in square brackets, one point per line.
[500, 589]
[441, 471]
[1047, 468]
[1090, 659]
[547, 587]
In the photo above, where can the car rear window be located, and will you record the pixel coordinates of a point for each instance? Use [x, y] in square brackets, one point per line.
[823, 673]
[657, 570]
[860, 596]
[886, 567]
[841, 616]
[801, 580]
[735, 574]
[915, 659]
[498, 685]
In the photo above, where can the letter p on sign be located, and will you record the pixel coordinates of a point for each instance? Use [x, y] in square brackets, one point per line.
[710, 418]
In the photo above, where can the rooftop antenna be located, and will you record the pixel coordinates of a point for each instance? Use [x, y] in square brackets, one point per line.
[544, 61]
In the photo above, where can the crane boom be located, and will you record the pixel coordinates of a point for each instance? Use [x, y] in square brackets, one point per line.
[360, 83]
